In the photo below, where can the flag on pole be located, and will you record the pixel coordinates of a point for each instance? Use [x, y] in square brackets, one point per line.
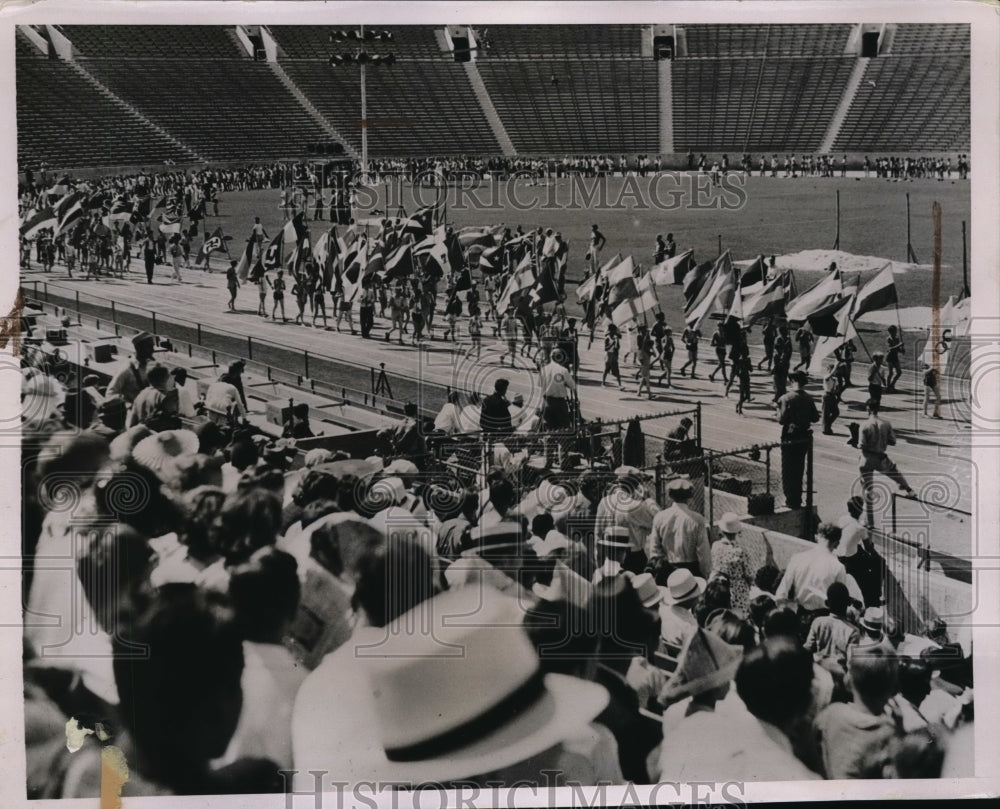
[623, 271]
[271, 258]
[489, 260]
[831, 320]
[768, 302]
[701, 285]
[544, 290]
[631, 309]
[825, 348]
[37, 221]
[695, 282]
[142, 208]
[295, 229]
[245, 261]
[719, 294]
[68, 210]
[609, 265]
[170, 223]
[673, 270]
[878, 293]
[399, 263]
[754, 274]
[522, 278]
[823, 292]
[215, 242]
[585, 290]
[354, 273]
[120, 211]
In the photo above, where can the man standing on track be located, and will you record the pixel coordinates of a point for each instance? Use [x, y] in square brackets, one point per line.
[876, 436]
[597, 242]
[796, 413]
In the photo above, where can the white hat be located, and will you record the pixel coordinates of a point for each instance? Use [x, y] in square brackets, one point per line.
[706, 662]
[630, 472]
[645, 587]
[401, 466]
[478, 717]
[729, 523]
[158, 450]
[615, 537]
[682, 586]
[680, 485]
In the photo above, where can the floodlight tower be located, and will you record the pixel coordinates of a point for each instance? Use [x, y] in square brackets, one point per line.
[362, 58]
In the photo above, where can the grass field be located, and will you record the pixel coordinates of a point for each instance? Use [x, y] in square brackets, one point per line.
[776, 216]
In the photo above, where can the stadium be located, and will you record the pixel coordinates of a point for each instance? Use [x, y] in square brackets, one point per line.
[461, 220]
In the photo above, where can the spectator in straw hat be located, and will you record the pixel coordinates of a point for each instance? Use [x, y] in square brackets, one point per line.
[679, 533]
[612, 548]
[677, 621]
[730, 560]
[385, 720]
[160, 451]
[628, 504]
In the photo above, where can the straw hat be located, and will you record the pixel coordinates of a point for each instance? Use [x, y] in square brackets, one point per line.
[873, 620]
[159, 450]
[682, 586]
[649, 594]
[478, 717]
[615, 537]
[729, 523]
[401, 466]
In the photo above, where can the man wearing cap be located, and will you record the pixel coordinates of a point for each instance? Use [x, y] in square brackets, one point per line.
[797, 413]
[612, 548]
[679, 533]
[130, 380]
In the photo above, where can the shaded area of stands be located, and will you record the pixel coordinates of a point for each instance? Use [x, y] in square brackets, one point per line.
[413, 108]
[23, 49]
[222, 109]
[313, 41]
[772, 40]
[64, 120]
[916, 102]
[574, 106]
[742, 105]
[931, 38]
[562, 41]
[153, 41]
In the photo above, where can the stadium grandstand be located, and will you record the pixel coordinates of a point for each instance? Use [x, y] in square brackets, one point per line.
[142, 95]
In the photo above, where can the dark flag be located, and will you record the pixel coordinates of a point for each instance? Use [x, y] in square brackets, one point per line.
[754, 274]
[271, 258]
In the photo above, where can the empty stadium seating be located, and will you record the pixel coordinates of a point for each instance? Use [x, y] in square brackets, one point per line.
[409, 42]
[918, 38]
[770, 40]
[576, 106]
[64, 120]
[153, 41]
[224, 109]
[562, 41]
[416, 108]
[919, 101]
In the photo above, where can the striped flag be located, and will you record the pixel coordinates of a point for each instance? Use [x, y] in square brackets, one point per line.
[121, 211]
[831, 320]
[610, 264]
[754, 274]
[768, 302]
[718, 296]
[523, 278]
[353, 275]
[878, 293]
[826, 346]
[37, 221]
[823, 292]
[673, 270]
[623, 271]
[723, 266]
[68, 210]
[399, 264]
[694, 282]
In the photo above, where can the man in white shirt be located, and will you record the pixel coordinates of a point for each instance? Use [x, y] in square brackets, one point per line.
[558, 389]
[810, 573]
[679, 533]
[858, 555]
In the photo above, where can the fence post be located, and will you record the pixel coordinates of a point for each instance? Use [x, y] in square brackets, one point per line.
[154, 321]
[305, 355]
[199, 332]
[893, 513]
[698, 410]
[114, 316]
[659, 479]
[78, 321]
[767, 468]
[810, 528]
[249, 347]
[711, 489]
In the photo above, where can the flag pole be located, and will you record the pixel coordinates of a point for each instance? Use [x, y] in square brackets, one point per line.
[860, 340]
